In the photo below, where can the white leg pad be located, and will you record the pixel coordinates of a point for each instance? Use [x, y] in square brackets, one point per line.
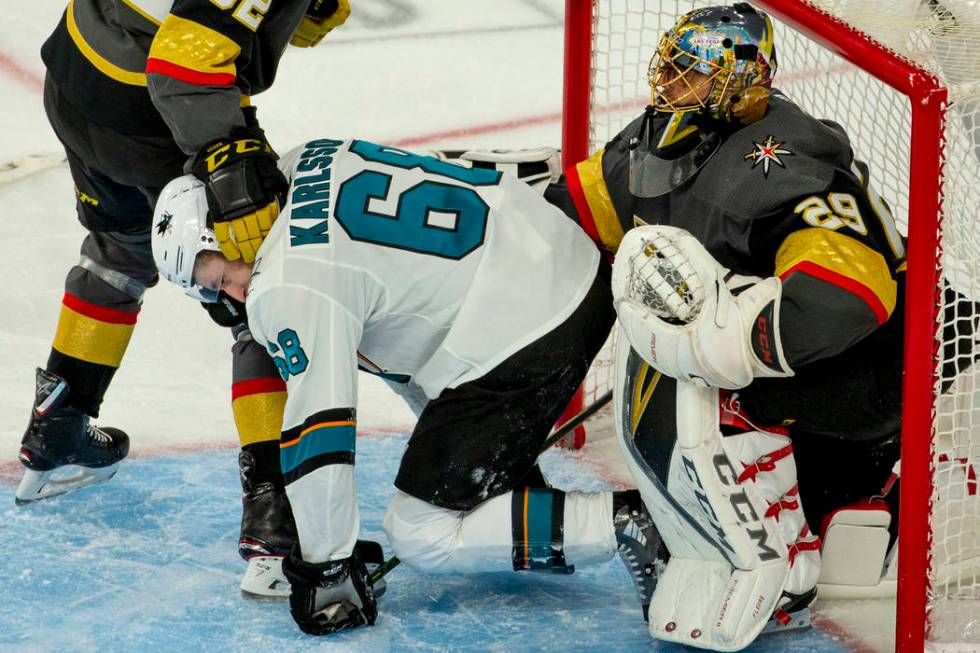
[727, 510]
[855, 545]
[703, 603]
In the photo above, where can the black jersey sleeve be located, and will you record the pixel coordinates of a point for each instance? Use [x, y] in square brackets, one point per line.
[595, 192]
[208, 56]
[838, 255]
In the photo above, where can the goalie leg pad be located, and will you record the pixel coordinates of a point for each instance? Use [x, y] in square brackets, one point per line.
[722, 510]
[766, 461]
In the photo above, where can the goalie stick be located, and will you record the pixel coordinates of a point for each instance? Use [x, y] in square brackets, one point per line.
[556, 435]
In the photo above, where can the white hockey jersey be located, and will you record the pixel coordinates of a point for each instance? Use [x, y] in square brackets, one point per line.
[405, 266]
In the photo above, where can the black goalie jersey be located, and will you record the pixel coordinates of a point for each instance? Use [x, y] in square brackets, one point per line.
[782, 197]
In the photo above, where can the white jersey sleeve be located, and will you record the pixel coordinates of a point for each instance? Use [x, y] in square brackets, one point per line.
[313, 341]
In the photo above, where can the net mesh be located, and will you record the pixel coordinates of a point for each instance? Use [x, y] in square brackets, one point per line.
[944, 39]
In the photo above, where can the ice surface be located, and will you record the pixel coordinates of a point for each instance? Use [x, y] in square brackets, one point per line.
[148, 562]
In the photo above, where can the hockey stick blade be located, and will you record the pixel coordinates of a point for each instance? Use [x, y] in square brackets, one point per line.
[556, 435]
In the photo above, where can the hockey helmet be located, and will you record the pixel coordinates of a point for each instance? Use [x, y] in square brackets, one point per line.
[711, 73]
[719, 61]
[180, 232]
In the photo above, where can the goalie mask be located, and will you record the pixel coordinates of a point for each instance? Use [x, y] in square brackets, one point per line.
[180, 232]
[711, 72]
[718, 61]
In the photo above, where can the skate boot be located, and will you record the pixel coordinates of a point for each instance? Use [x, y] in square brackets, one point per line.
[268, 533]
[638, 544]
[61, 450]
[793, 613]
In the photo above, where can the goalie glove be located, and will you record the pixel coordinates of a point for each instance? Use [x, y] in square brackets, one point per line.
[244, 187]
[536, 167]
[335, 595]
[321, 17]
[691, 318]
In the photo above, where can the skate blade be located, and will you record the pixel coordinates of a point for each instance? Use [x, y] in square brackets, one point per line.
[36, 486]
[264, 580]
[799, 620]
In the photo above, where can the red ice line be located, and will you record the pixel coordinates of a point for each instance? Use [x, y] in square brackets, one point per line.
[26, 77]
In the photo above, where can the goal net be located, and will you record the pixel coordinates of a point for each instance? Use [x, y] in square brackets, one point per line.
[903, 78]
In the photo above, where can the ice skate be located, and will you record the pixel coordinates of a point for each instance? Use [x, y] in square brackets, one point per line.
[61, 450]
[794, 615]
[268, 533]
[638, 544]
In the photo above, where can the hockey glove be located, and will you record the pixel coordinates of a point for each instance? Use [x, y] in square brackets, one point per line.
[227, 311]
[321, 17]
[330, 596]
[243, 187]
[691, 318]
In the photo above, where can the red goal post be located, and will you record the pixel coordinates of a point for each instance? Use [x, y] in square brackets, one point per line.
[912, 108]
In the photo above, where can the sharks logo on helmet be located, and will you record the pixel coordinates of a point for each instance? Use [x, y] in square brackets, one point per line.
[181, 233]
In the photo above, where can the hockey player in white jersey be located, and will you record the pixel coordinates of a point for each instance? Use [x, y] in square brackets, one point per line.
[464, 288]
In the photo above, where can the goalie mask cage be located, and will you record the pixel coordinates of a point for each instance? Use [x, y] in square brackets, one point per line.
[903, 78]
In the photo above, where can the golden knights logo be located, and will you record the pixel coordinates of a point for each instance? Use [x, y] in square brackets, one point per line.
[767, 152]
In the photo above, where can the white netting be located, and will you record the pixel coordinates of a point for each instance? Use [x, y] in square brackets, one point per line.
[944, 39]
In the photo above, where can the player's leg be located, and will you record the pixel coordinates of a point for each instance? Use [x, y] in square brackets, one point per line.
[464, 504]
[268, 531]
[102, 299]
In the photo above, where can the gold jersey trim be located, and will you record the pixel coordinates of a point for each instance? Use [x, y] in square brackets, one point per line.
[104, 66]
[195, 47]
[600, 203]
[844, 256]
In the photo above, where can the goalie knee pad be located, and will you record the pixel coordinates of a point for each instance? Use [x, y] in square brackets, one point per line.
[855, 551]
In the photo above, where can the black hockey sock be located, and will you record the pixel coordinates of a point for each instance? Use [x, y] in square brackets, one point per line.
[87, 382]
[266, 462]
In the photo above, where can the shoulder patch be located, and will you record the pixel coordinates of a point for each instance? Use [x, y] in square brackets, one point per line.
[767, 152]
